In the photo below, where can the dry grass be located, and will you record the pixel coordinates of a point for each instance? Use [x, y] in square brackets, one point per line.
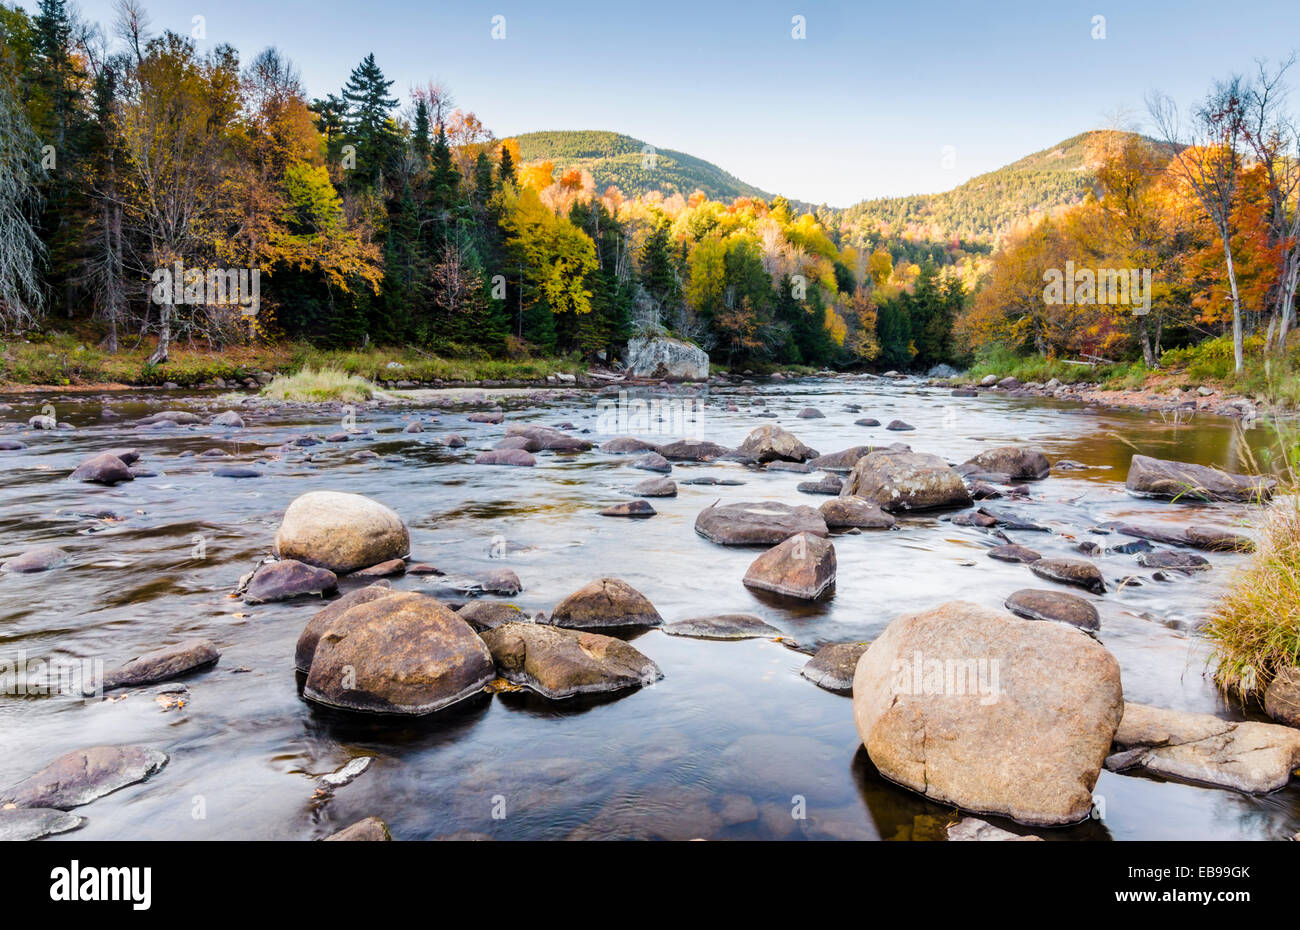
[320, 384]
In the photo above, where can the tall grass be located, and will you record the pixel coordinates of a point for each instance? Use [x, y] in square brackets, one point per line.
[319, 384]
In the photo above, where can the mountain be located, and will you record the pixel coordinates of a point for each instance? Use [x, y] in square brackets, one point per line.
[987, 206]
[613, 158]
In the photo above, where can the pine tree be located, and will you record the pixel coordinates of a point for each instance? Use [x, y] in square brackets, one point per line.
[420, 133]
[506, 169]
[367, 120]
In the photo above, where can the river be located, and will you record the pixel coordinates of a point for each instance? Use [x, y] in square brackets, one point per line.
[727, 745]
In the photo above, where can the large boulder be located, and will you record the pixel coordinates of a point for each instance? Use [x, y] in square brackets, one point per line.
[605, 603]
[975, 708]
[845, 512]
[1252, 757]
[900, 481]
[320, 622]
[665, 357]
[560, 663]
[341, 532]
[757, 523]
[803, 566]
[1181, 481]
[401, 654]
[770, 443]
[1018, 463]
[1282, 697]
[81, 776]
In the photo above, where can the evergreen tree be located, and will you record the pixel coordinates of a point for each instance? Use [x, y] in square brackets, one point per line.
[506, 169]
[368, 124]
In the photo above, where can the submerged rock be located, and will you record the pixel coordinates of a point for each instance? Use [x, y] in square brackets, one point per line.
[900, 481]
[771, 443]
[992, 714]
[722, 626]
[341, 532]
[833, 666]
[505, 457]
[1181, 481]
[605, 602]
[560, 663]
[81, 776]
[229, 418]
[162, 664]
[845, 512]
[104, 468]
[637, 508]
[1035, 604]
[1185, 562]
[1252, 757]
[39, 559]
[810, 413]
[288, 578]
[973, 829]
[802, 566]
[32, 823]
[401, 654]
[1013, 553]
[1070, 571]
[371, 829]
[754, 523]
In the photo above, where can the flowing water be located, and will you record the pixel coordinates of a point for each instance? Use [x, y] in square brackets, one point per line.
[730, 743]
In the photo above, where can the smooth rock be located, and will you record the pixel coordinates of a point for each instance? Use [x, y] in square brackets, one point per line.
[904, 481]
[771, 443]
[693, 450]
[802, 566]
[39, 559]
[655, 487]
[163, 664]
[1180, 481]
[560, 663]
[1013, 553]
[833, 665]
[637, 508]
[1019, 463]
[104, 468]
[81, 776]
[32, 823]
[652, 461]
[372, 829]
[288, 578]
[505, 457]
[488, 615]
[1282, 697]
[1070, 571]
[341, 532]
[722, 626]
[757, 523]
[1185, 562]
[604, 603]
[1035, 604]
[321, 620]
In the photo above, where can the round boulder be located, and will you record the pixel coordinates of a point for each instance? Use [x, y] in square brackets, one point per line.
[341, 532]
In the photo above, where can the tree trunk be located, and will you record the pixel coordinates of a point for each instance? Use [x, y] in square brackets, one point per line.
[164, 337]
[1144, 335]
[1238, 352]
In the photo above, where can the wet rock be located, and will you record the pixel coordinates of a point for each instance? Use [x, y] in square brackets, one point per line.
[771, 443]
[163, 664]
[1180, 481]
[32, 823]
[454, 441]
[750, 524]
[341, 532]
[1013, 553]
[810, 413]
[982, 491]
[899, 481]
[656, 487]
[488, 615]
[842, 461]
[104, 468]
[552, 440]
[40, 421]
[320, 622]
[965, 392]
[1026, 741]
[833, 666]
[722, 626]
[415, 426]
[560, 663]
[830, 484]
[401, 654]
[1282, 697]
[1071, 571]
[710, 480]
[214, 454]
[693, 450]
[127, 455]
[505, 457]
[844, 512]
[236, 471]
[338, 437]
[866, 421]
[229, 418]
[604, 603]
[501, 581]
[385, 569]
[803, 566]
[637, 508]
[1216, 539]
[1251, 757]
[371, 829]
[1185, 562]
[81, 776]
[973, 829]
[39, 559]
[11, 445]
[798, 468]
[519, 442]
[1019, 463]
[286, 579]
[1035, 604]
[899, 426]
[181, 417]
[626, 444]
[493, 417]
[652, 462]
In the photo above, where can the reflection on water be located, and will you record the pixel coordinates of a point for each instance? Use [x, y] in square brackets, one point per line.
[729, 744]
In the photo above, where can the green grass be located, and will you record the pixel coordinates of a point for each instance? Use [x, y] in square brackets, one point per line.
[319, 384]
[1005, 362]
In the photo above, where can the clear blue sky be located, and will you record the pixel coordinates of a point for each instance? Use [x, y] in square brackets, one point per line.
[864, 106]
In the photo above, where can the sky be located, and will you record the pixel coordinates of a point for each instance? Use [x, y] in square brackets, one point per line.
[877, 99]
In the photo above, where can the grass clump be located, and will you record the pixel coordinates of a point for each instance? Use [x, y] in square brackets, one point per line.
[320, 384]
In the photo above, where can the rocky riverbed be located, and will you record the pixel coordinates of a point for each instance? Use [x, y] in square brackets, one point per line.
[584, 614]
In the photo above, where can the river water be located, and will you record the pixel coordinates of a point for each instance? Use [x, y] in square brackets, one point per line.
[732, 743]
